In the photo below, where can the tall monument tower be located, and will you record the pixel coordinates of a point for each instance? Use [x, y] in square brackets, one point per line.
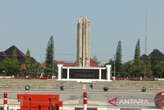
[83, 42]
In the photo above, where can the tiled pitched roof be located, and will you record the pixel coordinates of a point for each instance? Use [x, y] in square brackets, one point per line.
[155, 55]
[2, 56]
[93, 64]
[68, 64]
[65, 63]
[9, 52]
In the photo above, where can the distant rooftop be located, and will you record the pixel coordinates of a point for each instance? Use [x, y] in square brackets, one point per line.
[8, 53]
[155, 55]
[69, 64]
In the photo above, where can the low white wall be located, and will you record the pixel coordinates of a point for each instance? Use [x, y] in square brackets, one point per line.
[73, 108]
[108, 109]
[6, 77]
[13, 108]
[67, 108]
[159, 79]
[151, 109]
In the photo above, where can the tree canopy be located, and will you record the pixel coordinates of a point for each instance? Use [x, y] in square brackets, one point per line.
[51, 67]
[118, 57]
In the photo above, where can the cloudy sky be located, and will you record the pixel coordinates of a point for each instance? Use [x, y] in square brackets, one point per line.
[28, 24]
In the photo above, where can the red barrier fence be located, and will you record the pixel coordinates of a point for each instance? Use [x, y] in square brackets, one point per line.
[39, 102]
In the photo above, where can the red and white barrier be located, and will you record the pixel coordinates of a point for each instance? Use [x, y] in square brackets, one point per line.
[85, 102]
[5, 101]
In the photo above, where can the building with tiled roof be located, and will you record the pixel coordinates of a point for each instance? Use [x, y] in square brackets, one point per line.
[155, 55]
[69, 64]
[9, 52]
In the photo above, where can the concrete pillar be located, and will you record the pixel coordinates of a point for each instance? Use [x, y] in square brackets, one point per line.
[84, 43]
[79, 42]
[99, 73]
[68, 73]
[108, 67]
[59, 71]
[87, 42]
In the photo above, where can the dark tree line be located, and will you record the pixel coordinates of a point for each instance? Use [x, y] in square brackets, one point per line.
[147, 67]
[12, 66]
[32, 68]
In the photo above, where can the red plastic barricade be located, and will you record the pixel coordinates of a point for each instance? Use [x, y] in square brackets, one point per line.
[39, 102]
[159, 100]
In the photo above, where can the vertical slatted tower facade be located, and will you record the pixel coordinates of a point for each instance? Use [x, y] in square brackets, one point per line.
[83, 42]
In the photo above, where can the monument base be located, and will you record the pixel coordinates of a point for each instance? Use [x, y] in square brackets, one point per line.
[84, 74]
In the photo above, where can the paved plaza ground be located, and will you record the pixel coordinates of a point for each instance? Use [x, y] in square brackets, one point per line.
[124, 93]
